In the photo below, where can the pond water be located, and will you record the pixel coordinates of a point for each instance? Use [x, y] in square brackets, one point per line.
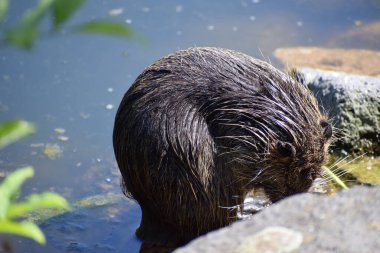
[70, 85]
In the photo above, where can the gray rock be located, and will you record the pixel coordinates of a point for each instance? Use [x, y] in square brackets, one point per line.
[353, 102]
[346, 222]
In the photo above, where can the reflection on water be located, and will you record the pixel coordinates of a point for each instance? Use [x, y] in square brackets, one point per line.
[75, 82]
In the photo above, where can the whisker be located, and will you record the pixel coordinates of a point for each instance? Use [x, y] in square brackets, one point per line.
[230, 207]
[356, 158]
[337, 162]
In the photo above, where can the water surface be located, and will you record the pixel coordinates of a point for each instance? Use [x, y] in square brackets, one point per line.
[75, 82]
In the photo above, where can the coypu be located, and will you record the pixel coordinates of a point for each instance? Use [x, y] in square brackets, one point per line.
[200, 128]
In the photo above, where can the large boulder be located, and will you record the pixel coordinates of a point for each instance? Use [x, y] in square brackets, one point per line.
[346, 222]
[353, 103]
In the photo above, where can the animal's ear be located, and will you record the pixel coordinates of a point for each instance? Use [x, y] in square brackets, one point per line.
[327, 129]
[285, 149]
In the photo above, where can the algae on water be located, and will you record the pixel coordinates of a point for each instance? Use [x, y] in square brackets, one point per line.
[52, 151]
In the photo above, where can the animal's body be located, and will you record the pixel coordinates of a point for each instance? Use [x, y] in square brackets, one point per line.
[200, 128]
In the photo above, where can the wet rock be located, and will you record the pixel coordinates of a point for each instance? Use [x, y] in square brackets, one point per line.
[346, 222]
[356, 61]
[353, 103]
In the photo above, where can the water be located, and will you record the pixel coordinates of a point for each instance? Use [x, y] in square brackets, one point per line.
[75, 81]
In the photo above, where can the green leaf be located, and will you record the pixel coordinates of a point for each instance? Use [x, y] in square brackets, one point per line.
[335, 178]
[36, 202]
[64, 9]
[10, 186]
[26, 32]
[26, 229]
[22, 36]
[3, 9]
[32, 17]
[106, 27]
[14, 130]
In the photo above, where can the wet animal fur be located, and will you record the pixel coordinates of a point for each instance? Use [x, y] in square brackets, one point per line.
[201, 127]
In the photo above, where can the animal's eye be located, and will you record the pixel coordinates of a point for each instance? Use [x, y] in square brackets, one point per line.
[286, 149]
[327, 129]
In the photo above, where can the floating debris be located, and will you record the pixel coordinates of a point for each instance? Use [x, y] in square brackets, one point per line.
[100, 200]
[109, 106]
[299, 23]
[78, 164]
[252, 18]
[52, 151]
[255, 1]
[84, 115]
[37, 145]
[211, 28]
[146, 9]
[116, 12]
[62, 138]
[112, 212]
[110, 89]
[128, 21]
[59, 130]
[108, 180]
[105, 186]
[98, 160]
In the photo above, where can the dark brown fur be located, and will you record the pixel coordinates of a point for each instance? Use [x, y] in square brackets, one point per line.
[201, 127]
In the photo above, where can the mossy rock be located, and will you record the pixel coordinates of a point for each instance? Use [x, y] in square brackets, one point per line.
[353, 104]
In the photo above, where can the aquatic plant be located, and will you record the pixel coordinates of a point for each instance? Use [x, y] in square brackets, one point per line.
[331, 176]
[25, 33]
[11, 211]
[14, 130]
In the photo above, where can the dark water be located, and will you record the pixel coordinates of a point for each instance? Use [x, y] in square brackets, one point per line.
[69, 80]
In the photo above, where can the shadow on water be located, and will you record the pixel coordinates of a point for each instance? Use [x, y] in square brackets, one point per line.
[76, 82]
